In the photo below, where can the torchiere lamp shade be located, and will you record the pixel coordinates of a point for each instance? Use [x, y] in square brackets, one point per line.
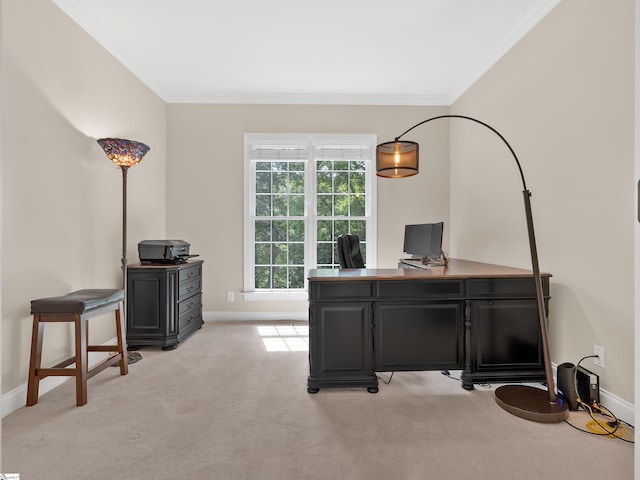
[124, 153]
[397, 159]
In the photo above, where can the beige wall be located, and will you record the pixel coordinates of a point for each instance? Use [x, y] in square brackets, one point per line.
[563, 98]
[205, 189]
[61, 196]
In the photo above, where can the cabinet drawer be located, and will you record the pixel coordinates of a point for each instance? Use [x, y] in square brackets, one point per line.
[190, 273]
[189, 304]
[424, 289]
[189, 288]
[189, 318]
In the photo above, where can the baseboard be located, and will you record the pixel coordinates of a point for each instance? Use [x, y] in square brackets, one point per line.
[222, 316]
[17, 398]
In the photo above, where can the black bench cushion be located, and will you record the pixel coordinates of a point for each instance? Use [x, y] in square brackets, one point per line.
[80, 301]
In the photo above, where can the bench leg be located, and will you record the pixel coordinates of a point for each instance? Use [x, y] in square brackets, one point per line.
[122, 342]
[81, 360]
[35, 361]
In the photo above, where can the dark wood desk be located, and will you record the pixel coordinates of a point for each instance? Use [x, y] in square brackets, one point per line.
[470, 316]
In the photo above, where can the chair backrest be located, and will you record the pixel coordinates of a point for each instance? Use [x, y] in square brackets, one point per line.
[349, 255]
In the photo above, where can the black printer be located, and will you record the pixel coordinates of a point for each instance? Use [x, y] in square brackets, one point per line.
[164, 251]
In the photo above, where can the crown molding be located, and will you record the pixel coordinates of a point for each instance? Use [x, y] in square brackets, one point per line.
[509, 42]
[303, 99]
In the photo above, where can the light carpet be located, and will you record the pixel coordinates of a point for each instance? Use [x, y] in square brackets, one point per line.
[221, 406]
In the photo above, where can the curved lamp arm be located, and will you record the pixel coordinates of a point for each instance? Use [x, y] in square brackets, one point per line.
[515, 157]
[400, 158]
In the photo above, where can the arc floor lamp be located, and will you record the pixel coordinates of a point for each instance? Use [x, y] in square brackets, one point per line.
[125, 154]
[400, 159]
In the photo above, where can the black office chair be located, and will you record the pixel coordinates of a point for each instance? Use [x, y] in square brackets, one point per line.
[349, 255]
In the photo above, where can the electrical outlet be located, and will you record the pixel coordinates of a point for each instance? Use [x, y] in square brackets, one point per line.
[599, 359]
[229, 296]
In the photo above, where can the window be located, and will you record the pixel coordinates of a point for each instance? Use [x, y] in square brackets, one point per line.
[303, 191]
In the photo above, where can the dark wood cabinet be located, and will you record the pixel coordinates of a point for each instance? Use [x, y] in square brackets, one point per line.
[164, 303]
[342, 351]
[478, 318]
[505, 341]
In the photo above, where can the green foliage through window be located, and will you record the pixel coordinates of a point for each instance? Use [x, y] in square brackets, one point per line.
[301, 192]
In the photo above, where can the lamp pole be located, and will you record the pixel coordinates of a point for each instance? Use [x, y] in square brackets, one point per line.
[124, 153]
[123, 259]
[520, 400]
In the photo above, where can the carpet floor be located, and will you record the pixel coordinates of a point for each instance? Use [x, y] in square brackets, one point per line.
[231, 403]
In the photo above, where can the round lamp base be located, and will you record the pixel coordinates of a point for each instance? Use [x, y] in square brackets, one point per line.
[133, 357]
[531, 403]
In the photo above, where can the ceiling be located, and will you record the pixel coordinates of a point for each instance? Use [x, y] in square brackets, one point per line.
[368, 52]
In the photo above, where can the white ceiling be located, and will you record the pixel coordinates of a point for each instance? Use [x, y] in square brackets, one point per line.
[373, 52]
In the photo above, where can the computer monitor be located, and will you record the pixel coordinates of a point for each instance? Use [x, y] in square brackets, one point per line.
[424, 240]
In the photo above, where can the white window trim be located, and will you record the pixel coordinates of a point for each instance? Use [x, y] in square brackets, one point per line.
[249, 294]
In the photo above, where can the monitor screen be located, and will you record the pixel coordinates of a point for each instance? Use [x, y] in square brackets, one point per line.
[423, 240]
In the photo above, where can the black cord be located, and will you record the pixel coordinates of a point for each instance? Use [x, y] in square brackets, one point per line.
[447, 373]
[575, 376]
[387, 382]
[575, 379]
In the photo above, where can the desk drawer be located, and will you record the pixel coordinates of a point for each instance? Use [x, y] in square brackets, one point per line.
[340, 290]
[422, 289]
[504, 288]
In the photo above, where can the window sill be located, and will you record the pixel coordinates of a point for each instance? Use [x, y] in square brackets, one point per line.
[265, 296]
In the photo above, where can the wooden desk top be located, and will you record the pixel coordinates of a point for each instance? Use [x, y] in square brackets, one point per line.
[457, 269]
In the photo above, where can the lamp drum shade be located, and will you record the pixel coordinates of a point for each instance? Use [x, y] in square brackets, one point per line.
[397, 159]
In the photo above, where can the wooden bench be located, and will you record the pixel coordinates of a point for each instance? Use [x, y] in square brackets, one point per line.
[77, 307]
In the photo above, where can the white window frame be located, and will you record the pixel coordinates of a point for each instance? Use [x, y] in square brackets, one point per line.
[249, 292]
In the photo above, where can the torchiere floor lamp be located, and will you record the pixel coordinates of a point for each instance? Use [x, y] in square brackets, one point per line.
[125, 154]
[400, 159]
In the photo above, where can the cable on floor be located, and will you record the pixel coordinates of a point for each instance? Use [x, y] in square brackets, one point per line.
[608, 426]
[386, 382]
[447, 373]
